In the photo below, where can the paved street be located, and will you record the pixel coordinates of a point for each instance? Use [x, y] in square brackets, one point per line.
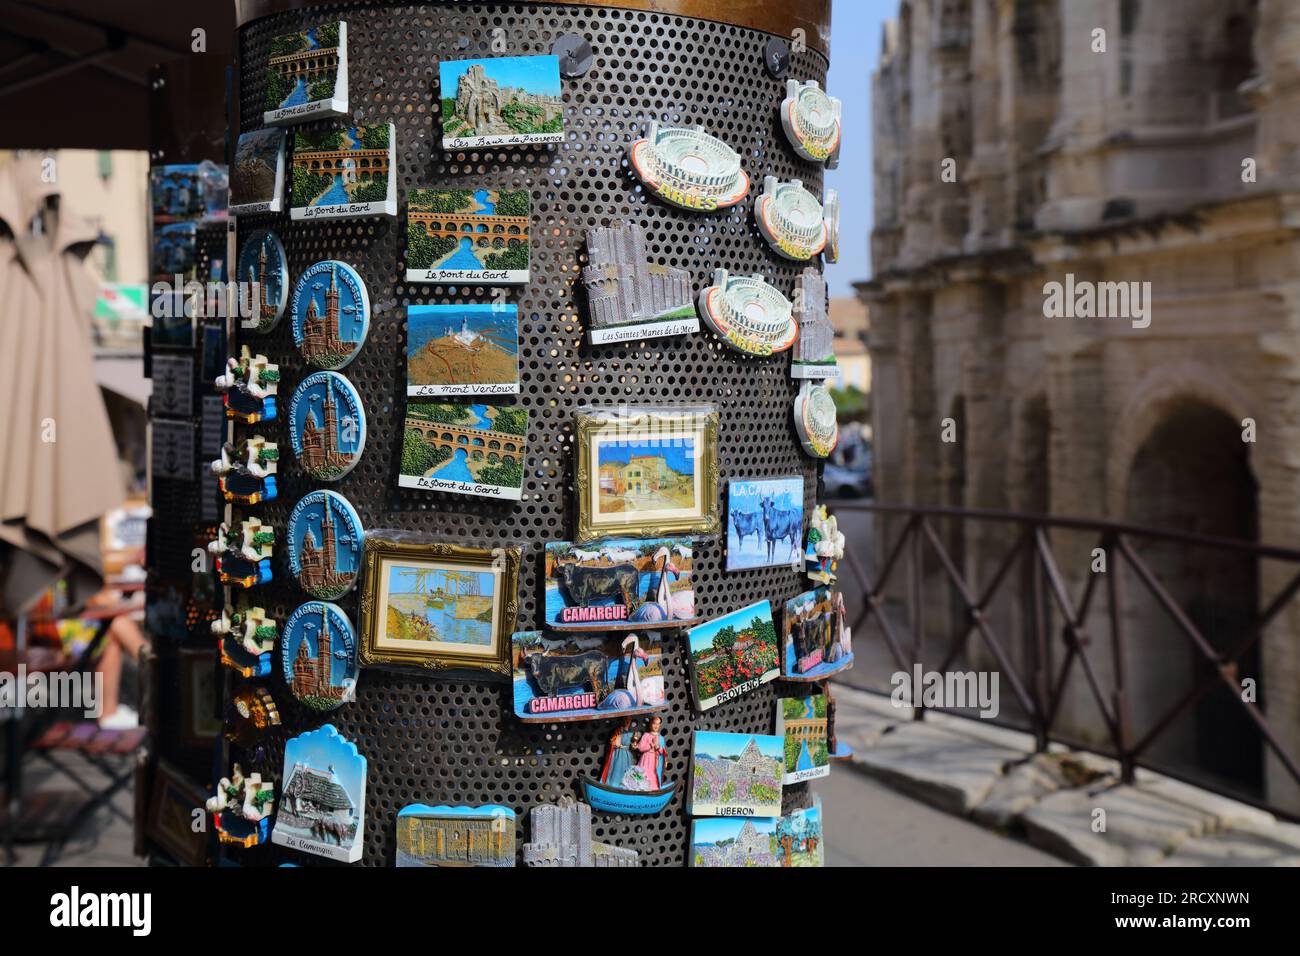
[868, 824]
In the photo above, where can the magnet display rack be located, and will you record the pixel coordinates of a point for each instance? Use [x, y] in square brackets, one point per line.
[429, 739]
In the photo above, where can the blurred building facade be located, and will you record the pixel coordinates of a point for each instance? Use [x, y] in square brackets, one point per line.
[1011, 151]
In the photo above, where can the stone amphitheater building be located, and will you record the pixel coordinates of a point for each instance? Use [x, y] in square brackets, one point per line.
[1010, 153]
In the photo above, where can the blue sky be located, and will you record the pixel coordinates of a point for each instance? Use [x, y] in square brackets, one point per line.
[702, 635]
[706, 830]
[679, 452]
[537, 74]
[718, 743]
[855, 52]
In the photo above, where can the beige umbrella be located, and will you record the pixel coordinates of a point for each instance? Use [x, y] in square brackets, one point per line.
[58, 464]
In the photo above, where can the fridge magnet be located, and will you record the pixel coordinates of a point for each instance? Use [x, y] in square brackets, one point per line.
[250, 713]
[735, 775]
[256, 183]
[246, 470]
[632, 780]
[647, 471]
[175, 249]
[501, 101]
[790, 219]
[330, 313]
[624, 583]
[327, 425]
[464, 449]
[814, 352]
[323, 802]
[839, 749]
[801, 721]
[324, 540]
[249, 385]
[749, 315]
[628, 296]
[561, 836]
[811, 121]
[262, 265]
[764, 522]
[724, 842]
[816, 641]
[247, 638]
[455, 836]
[241, 808]
[344, 171]
[467, 236]
[244, 554]
[176, 193]
[462, 350]
[825, 546]
[733, 655]
[815, 419]
[799, 836]
[831, 216]
[307, 74]
[437, 606]
[688, 168]
[562, 678]
[318, 656]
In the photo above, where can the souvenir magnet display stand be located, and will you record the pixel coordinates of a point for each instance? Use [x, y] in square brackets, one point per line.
[464, 726]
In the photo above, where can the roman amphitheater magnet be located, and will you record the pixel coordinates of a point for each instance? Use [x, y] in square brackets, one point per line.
[325, 539]
[814, 419]
[790, 219]
[688, 168]
[262, 265]
[318, 656]
[750, 315]
[327, 425]
[811, 121]
[331, 314]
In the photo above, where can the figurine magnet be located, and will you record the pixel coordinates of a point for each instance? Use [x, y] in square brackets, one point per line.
[825, 546]
[632, 780]
[249, 386]
[247, 638]
[244, 554]
[241, 808]
[246, 470]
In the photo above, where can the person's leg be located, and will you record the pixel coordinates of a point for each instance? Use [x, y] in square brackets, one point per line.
[109, 668]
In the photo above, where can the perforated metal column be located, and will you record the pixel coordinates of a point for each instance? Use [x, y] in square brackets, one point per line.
[434, 740]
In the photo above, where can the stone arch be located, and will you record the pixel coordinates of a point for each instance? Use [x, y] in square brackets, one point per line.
[1148, 405]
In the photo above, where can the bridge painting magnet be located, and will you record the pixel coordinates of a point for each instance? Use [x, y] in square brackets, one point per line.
[456, 350]
[307, 74]
[437, 606]
[561, 678]
[816, 640]
[323, 802]
[620, 584]
[327, 425]
[318, 656]
[733, 655]
[764, 523]
[343, 172]
[802, 723]
[467, 235]
[324, 540]
[464, 449]
[501, 101]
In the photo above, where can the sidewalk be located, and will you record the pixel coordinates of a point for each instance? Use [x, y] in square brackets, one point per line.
[1070, 804]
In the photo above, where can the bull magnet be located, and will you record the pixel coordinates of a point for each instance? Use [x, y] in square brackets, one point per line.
[560, 678]
[620, 584]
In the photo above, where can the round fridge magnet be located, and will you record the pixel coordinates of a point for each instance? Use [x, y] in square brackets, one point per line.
[327, 425]
[325, 539]
[262, 266]
[318, 655]
[331, 314]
